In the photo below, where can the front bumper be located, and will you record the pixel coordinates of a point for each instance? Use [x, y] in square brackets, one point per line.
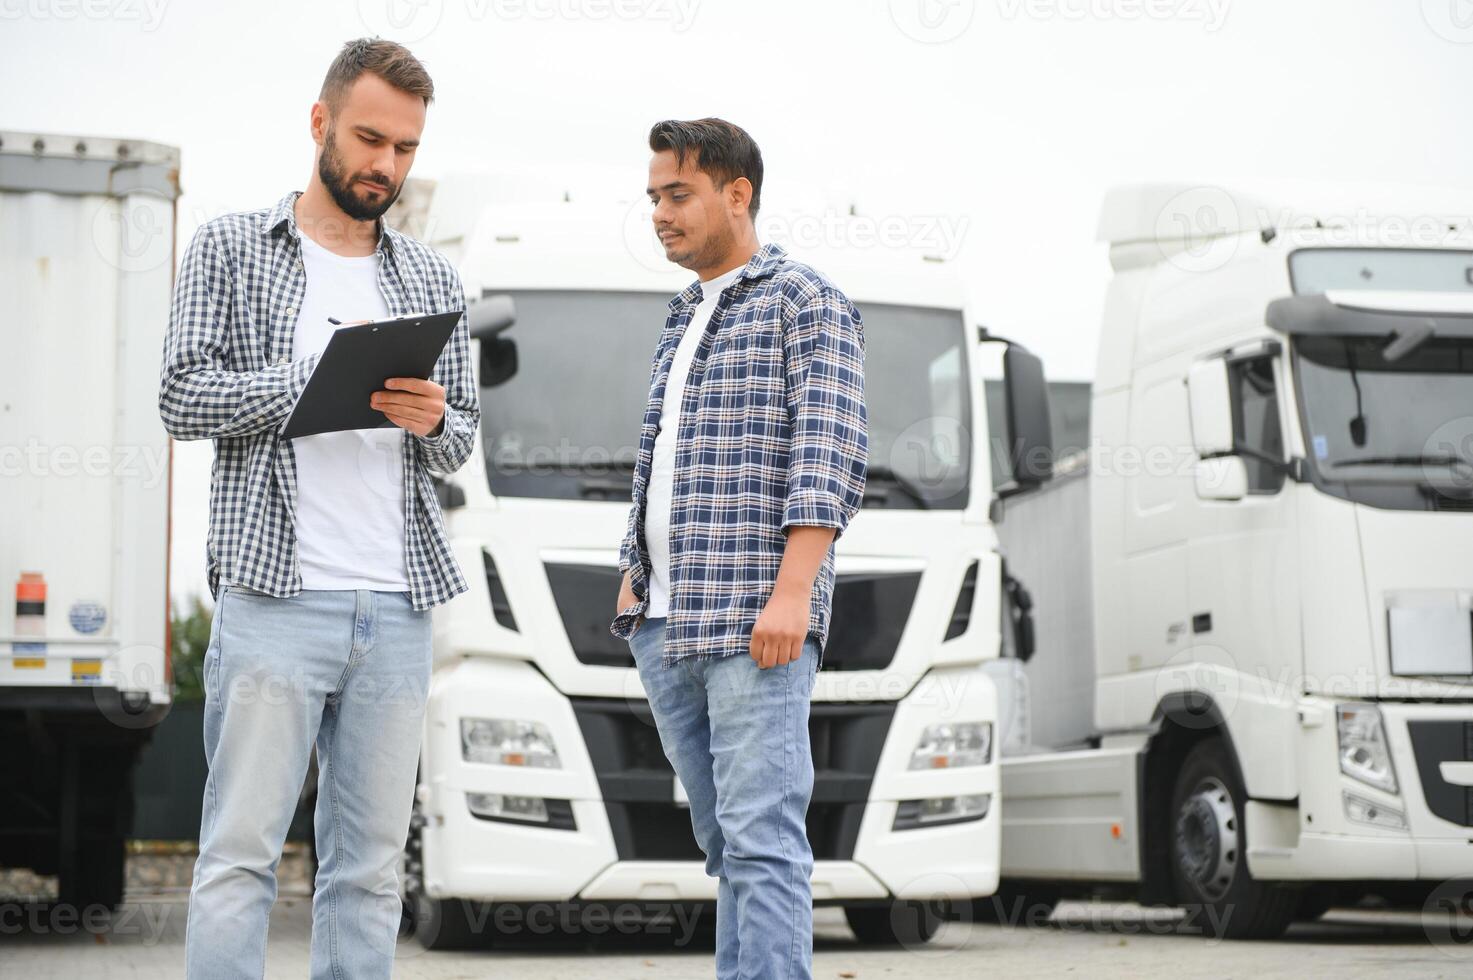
[1317, 840]
[631, 841]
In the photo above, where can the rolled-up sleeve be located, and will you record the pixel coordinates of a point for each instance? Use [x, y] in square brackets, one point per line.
[823, 344]
[198, 397]
[448, 450]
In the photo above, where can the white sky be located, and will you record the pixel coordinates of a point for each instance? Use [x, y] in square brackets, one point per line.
[1005, 118]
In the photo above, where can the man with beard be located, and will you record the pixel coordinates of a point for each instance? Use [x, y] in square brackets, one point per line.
[326, 552]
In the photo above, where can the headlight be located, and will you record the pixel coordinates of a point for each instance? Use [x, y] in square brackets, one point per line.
[941, 811]
[951, 746]
[508, 743]
[1362, 810]
[496, 806]
[1364, 753]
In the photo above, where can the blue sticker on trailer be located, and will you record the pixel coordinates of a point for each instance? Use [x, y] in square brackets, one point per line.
[87, 617]
[1321, 447]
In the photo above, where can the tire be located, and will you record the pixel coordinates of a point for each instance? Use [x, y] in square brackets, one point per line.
[904, 923]
[445, 923]
[1016, 904]
[1208, 851]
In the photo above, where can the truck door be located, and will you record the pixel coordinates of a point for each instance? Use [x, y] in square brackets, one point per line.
[1242, 574]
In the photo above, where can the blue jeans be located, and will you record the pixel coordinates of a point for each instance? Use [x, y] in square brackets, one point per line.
[348, 670]
[737, 736]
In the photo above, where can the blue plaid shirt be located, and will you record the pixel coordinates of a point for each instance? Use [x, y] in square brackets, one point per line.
[228, 375]
[773, 433]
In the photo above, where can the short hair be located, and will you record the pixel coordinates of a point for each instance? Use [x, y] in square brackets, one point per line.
[723, 151]
[389, 61]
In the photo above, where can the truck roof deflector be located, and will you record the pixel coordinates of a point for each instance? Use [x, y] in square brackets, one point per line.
[1318, 314]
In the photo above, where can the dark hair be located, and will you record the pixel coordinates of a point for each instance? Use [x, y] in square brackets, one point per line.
[723, 151]
[389, 61]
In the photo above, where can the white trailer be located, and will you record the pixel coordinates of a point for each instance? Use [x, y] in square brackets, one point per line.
[86, 265]
[542, 777]
[1258, 702]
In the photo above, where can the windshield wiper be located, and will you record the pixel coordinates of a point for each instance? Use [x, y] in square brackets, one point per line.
[906, 486]
[1444, 459]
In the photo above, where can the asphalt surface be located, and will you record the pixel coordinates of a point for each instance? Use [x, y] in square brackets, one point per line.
[145, 938]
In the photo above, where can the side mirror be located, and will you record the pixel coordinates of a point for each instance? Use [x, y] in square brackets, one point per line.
[1019, 609]
[449, 494]
[489, 316]
[1210, 407]
[486, 319]
[1222, 478]
[498, 361]
[1030, 435]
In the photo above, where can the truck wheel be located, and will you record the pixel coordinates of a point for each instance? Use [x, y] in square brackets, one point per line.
[1209, 863]
[445, 923]
[1017, 904]
[905, 923]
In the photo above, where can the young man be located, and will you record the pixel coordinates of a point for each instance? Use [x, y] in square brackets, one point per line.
[326, 552]
[751, 463]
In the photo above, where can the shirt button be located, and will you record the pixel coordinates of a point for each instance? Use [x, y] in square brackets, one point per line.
[291, 310]
[281, 360]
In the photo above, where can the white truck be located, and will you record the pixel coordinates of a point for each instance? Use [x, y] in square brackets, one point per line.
[542, 777]
[1252, 697]
[86, 265]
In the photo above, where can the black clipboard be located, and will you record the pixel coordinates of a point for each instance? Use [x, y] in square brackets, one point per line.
[356, 362]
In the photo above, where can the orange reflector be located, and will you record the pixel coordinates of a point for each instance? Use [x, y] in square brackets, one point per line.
[939, 762]
[513, 759]
[1115, 831]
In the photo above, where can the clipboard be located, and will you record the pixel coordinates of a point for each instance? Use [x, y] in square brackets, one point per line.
[356, 362]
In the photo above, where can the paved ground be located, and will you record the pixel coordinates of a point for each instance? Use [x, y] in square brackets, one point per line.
[145, 939]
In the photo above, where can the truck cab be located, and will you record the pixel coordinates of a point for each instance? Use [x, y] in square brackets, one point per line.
[542, 776]
[1280, 500]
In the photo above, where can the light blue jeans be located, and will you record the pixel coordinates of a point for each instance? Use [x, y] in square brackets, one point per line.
[348, 670]
[737, 736]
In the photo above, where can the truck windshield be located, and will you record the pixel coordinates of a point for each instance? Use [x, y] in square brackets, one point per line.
[1389, 433]
[566, 425]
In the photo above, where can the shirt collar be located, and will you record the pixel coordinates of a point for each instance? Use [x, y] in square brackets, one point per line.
[284, 213]
[763, 263]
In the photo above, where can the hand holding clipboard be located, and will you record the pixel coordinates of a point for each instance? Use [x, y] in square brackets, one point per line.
[346, 389]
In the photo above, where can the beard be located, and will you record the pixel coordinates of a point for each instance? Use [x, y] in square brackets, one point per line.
[718, 243]
[340, 185]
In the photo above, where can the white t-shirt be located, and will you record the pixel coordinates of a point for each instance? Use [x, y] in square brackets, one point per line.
[659, 494]
[350, 485]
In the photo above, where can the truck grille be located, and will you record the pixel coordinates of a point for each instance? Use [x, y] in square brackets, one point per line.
[869, 615]
[637, 781]
[1435, 742]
